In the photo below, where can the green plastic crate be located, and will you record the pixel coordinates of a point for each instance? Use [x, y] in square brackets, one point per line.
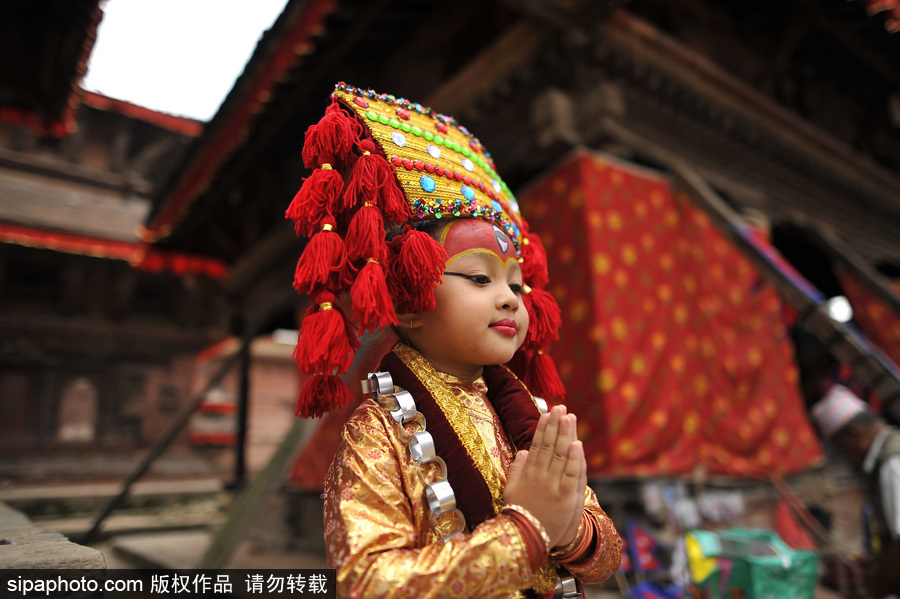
[762, 565]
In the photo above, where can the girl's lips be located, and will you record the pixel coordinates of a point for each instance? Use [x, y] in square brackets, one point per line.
[506, 327]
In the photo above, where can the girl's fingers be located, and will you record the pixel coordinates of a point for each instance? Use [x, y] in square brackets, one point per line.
[537, 440]
[564, 438]
[572, 473]
[546, 445]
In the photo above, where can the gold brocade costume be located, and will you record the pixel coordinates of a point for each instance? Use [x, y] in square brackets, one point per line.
[378, 528]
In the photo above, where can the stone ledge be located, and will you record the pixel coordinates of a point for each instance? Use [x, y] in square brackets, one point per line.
[26, 546]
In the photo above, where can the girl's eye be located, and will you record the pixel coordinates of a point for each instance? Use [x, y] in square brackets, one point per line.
[480, 279]
[516, 288]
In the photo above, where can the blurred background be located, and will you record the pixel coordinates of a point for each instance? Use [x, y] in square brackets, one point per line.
[716, 185]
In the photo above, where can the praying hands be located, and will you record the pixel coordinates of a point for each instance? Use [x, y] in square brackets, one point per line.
[549, 480]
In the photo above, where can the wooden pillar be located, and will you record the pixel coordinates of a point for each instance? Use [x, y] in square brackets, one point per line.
[243, 399]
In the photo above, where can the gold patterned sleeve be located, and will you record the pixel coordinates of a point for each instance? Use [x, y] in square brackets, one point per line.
[606, 556]
[379, 535]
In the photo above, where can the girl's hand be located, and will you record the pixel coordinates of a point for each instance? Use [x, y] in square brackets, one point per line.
[547, 479]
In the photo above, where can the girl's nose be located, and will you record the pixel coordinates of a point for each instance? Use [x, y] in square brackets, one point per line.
[509, 300]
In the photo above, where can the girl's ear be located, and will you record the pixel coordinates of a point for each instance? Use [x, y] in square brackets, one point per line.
[409, 320]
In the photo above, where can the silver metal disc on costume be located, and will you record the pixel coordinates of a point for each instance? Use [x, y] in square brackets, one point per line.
[406, 407]
[441, 498]
[566, 587]
[421, 448]
[378, 382]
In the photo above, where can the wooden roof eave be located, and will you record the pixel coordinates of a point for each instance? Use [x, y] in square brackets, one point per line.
[284, 46]
[64, 57]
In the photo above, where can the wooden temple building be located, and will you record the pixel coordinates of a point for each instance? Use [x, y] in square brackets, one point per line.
[98, 330]
[782, 113]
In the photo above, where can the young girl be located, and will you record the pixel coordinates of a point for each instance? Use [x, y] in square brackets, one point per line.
[449, 482]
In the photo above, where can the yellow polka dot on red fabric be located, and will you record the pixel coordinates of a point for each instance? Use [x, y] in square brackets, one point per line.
[640, 209]
[664, 293]
[691, 423]
[782, 438]
[666, 261]
[638, 365]
[606, 380]
[560, 185]
[791, 375]
[701, 385]
[690, 285]
[658, 340]
[619, 328]
[580, 310]
[720, 404]
[576, 199]
[754, 355]
[601, 264]
[614, 220]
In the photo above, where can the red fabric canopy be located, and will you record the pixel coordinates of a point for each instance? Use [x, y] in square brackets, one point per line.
[876, 318]
[673, 349]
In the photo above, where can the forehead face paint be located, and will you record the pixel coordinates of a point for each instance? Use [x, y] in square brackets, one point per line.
[470, 236]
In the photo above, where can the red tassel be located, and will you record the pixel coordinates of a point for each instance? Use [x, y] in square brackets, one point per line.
[542, 378]
[321, 394]
[322, 263]
[365, 236]
[331, 140]
[372, 181]
[316, 200]
[534, 262]
[416, 267]
[544, 319]
[325, 343]
[372, 304]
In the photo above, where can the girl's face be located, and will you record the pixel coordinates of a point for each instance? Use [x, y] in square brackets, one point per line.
[479, 318]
